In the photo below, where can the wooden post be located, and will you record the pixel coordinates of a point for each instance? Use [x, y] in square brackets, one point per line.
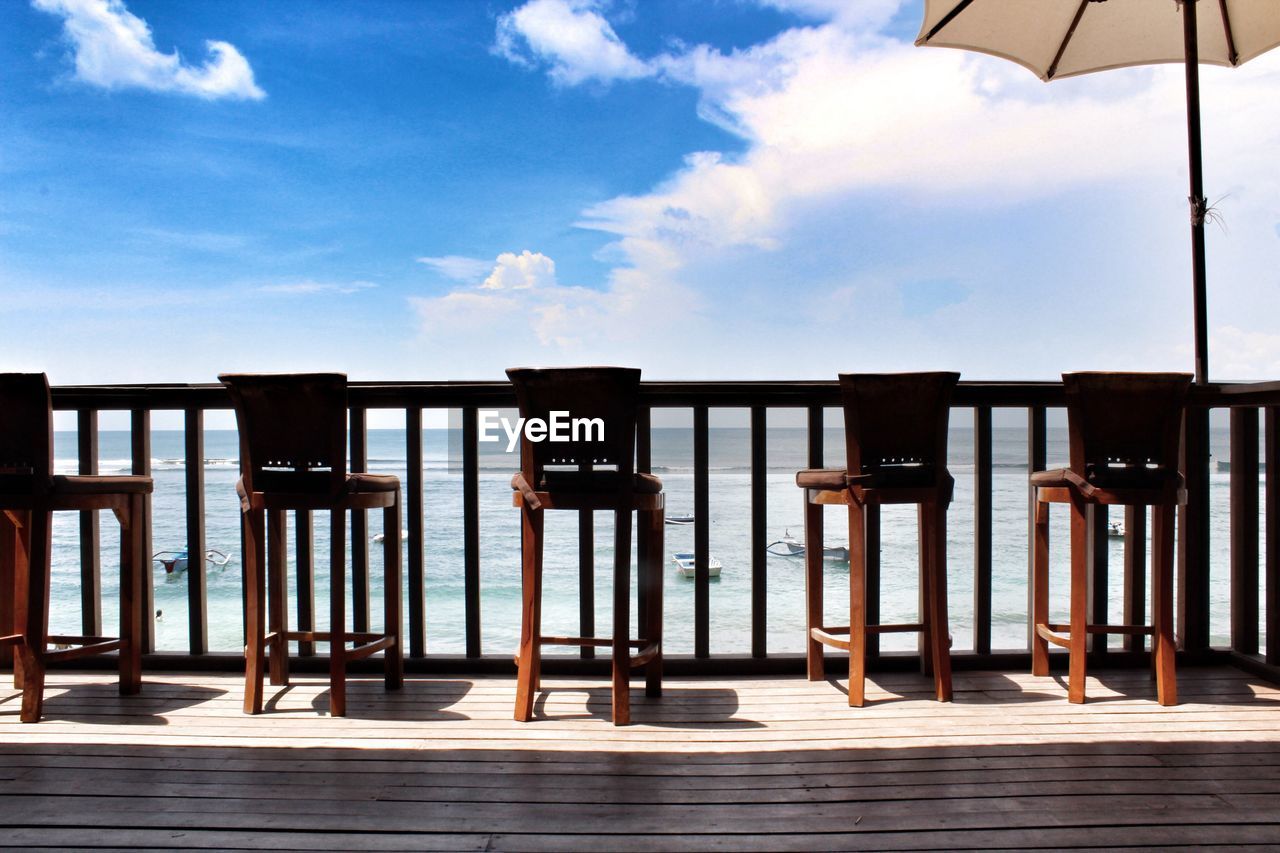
[701, 535]
[414, 521]
[90, 539]
[197, 597]
[1036, 444]
[359, 527]
[140, 451]
[1244, 531]
[471, 527]
[982, 547]
[1193, 535]
[759, 532]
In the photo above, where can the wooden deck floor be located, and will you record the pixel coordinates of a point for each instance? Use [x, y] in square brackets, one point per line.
[774, 763]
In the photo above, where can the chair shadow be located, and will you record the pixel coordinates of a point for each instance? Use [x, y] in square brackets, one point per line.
[417, 700]
[67, 703]
[658, 712]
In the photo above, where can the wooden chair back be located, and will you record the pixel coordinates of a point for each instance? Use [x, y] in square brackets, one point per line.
[26, 433]
[293, 431]
[1125, 428]
[896, 423]
[607, 395]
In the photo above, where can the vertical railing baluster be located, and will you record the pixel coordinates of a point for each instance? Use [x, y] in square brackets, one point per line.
[1037, 442]
[815, 439]
[140, 452]
[197, 595]
[871, 552]
[1193, 591]
[1244, 530]
[413, 494]
[1135, 574]
[305, 571]
[587, 574]
[982, 496]
[1099, 576]
[1271, 425]
[471, 527]
[90, 537]
[701, 534]
[759, 532]
[359, 526]
[644, 464]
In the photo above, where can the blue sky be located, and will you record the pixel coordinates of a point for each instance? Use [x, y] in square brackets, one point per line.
[729, 189]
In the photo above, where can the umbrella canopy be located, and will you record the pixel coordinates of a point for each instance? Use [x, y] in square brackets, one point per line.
[1063, 38]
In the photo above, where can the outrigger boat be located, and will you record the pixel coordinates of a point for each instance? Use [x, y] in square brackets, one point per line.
[679, 519]
[685, 565]
[789, 546]
[176, 561]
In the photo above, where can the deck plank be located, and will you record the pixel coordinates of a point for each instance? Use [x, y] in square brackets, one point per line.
[725, 764]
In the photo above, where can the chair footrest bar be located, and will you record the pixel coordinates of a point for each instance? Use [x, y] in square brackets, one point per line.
[364, 651]
[828, 639]
[1046, 632]
[85, 650]
[646, 654]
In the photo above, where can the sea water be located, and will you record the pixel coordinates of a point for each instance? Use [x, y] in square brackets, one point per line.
[672, 457]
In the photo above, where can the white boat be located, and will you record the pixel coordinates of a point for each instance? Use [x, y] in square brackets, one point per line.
[680, 519]
[175, 562]
[379, 537]
[684, 561]
[1115, 529]
[789, 546]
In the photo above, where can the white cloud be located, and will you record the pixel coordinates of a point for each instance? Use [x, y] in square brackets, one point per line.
[458, 267]
[572, 38]
[518, 272]
[307, 288]
[1238, 353]
[114, 49]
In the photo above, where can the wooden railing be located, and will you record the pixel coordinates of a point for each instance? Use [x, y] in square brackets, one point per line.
[1252, 569]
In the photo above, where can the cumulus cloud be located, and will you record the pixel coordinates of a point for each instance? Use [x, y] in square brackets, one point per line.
[458, 267]
[518, 272]
[571, 38]
[857, 143]
[114, 49]
[308, 288]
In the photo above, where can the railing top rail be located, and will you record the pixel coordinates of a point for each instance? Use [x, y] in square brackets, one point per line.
[776, 393]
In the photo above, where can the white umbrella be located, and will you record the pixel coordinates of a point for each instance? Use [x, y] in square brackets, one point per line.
[1063, 38]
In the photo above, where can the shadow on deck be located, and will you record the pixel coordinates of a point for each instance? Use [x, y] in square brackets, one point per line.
[777, 763]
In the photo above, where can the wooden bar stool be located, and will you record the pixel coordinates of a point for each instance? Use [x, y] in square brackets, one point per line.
[293, 435]
[896, 444]
[1123, 430]
[29, 495]
[593, 470]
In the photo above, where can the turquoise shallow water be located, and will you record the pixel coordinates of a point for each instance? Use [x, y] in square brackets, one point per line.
[672, 460]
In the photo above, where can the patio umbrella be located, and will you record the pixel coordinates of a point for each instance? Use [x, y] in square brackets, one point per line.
[1063, 38]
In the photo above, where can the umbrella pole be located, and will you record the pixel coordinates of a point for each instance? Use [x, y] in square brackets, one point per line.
[1199, 204]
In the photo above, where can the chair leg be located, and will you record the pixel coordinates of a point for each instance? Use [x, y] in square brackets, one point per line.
[1162, 641]
[338, 613]
[857, 601]
[939, 624]
[132, 565]
[1040, 590]
[34, 615]
[9, 543]
[813, 587]
[21, 576]
[654, 534]
[529, 657]
[622, 617]
[1079, 600]
[255, 608]
[277, 596]
[925, 644]
[392, 618]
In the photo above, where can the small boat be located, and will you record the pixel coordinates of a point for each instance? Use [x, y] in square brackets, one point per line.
[789, 546]
[680, 519]
[685, 565]
[1115, 529]
[175, 562]
[379, 537]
